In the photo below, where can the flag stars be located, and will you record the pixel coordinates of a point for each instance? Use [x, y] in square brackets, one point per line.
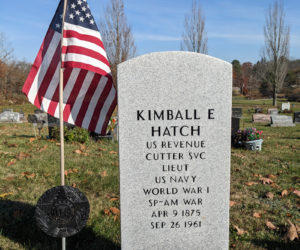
[61, 16]
[57, 25]
[71, 16]
[77, 12]
[83, 8]
[73, 6]
[92, 21]
[79, 2]
[88, 15]
[81, 19]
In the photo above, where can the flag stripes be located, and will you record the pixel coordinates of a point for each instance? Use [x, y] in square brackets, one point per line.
[89, 96]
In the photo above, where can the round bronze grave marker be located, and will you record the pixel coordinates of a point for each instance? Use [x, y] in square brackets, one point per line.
[62, 211]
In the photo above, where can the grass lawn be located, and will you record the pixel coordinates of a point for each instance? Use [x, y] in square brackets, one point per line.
[29, 166]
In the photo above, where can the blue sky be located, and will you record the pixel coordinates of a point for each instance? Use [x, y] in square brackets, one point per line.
[234, 28]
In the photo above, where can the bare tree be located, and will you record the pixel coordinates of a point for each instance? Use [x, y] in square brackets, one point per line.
[277, 35]
[5, 57]
[117, 36]
[194, 36]
[5, 50]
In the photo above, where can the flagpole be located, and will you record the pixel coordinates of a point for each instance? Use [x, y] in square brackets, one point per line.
[61, 120]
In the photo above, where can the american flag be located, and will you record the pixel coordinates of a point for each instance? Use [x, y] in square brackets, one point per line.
[89, 93]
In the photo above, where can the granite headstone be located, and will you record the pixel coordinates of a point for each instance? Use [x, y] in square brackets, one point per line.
[285, 106]
[282, 121]
[9, 116]
[297, 117]
[174, 146]
[235, 125]
[273, 111]
[237, 112]
[258, 110]
[261, 118]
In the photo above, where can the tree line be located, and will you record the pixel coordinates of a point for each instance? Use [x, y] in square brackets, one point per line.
[273, 74]
[254, 80]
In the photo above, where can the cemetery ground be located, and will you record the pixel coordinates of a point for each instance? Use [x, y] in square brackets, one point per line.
[265, 196]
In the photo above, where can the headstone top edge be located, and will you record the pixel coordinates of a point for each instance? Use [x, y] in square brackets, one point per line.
[167, 53]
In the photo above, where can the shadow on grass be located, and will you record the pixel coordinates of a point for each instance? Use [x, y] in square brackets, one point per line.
[291, 138]
[17, 223]
[272, 245]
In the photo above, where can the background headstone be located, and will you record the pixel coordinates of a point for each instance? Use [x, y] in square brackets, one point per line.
[235, 125]
[297, 117]
[261, 118]
[237, 112]
[285, 106]
[9, 116]
[258, 110]
[273, 111]
[174, 146]
[282, 121]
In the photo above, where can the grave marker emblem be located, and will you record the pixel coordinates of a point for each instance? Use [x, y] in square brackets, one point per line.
[62, 211]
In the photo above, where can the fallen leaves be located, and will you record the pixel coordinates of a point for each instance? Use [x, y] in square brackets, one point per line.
[113, 152]
[22, 156]
[28, 175]
[266, 180]
[80, 152]
[296, 192]
[5, 194]
[270, 195]
[31, 139]
[271, 176]
[256, 215]
[114, 199]
[240, 231]
[43, 148]
[112, 211]
[106, 211]
[292, 233]
[284, 193]
[232, 203]
[115, 210]
[71, 171]
[12, 162]
[90, 172]
[104, 173]
[250, 183]
[271, 226]
[82, 147]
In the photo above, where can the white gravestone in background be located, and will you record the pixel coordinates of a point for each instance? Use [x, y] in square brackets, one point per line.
[285, 106]
[174, 146]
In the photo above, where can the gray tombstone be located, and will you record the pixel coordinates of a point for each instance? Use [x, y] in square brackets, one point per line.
[237, 112]
[297, 117]
[273, 111]
[10, 116]
[285, 106]
[235, 125]
[282, 121]
[258, 110]
[52, 122]
[261, 118]
[174, 149]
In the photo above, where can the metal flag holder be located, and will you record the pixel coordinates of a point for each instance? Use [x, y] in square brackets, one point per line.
[62, 211]
[61, 119]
